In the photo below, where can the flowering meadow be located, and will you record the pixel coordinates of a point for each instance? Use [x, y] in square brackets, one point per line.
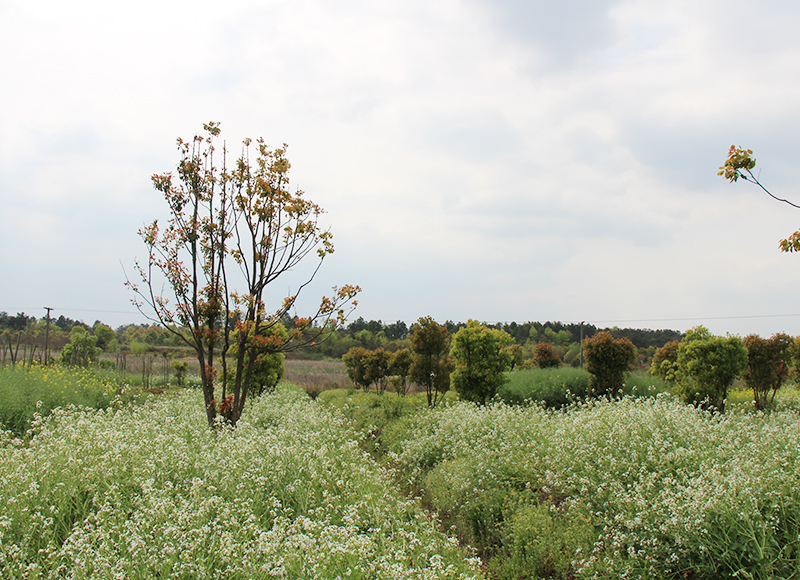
[149, 491]
[634, 488]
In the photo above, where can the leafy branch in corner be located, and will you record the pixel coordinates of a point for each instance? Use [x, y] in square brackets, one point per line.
[739, 165]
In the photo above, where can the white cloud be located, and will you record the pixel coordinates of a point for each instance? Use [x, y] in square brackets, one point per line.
[496, 161]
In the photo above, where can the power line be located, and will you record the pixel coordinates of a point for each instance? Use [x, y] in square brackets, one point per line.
[6, 309]
[698, 318]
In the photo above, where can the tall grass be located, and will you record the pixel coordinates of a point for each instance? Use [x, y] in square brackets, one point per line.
[40, 389]
[151, 492]
[558, 387]
[553, 387]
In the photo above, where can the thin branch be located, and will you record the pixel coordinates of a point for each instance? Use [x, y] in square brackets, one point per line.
[753, 179]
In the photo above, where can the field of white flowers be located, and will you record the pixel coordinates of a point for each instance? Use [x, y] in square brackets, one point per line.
[150, 492]
[637, 488]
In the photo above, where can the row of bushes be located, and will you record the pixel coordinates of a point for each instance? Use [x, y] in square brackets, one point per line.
[474, 362]
[702, 367]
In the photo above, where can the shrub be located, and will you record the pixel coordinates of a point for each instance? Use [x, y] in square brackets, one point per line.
[517, 355]
[794, 372]
[665, 361]
[399, 369]
[544, 356]
[767, 366]
[481, 360]
[81, 350]
[707, 366]
[355, 361]
[181, 368]
[377, 363]
[607, 361]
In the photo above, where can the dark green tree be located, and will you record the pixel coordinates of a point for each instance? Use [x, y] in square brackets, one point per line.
[81, 351]
[180, 368]
[377, 364]
[608, 360]
[516, 352]
[431, 366]
[355, 362]
[768, 362]
[106, 337]
[399, 370]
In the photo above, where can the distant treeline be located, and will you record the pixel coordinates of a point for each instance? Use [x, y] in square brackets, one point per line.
[23, 329]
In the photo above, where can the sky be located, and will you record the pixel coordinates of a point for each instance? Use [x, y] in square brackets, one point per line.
[499, 160]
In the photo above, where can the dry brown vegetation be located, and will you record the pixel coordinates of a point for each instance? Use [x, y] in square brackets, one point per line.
[316, 375]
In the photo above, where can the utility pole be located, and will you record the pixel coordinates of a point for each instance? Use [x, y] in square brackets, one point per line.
[47, 337]
[582, 321]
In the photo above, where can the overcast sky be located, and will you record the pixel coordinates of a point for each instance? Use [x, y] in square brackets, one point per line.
[501, 160]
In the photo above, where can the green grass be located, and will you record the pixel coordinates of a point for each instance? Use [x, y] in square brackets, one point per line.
[28, 390]
[559, 387]
[640, 383]
[553, 388]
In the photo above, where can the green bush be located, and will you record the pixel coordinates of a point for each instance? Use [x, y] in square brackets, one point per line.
[665, 361]
[481, 362]
[608, 360]
[181, 368]
[544, 356]
[768, 361]
[707, 367]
